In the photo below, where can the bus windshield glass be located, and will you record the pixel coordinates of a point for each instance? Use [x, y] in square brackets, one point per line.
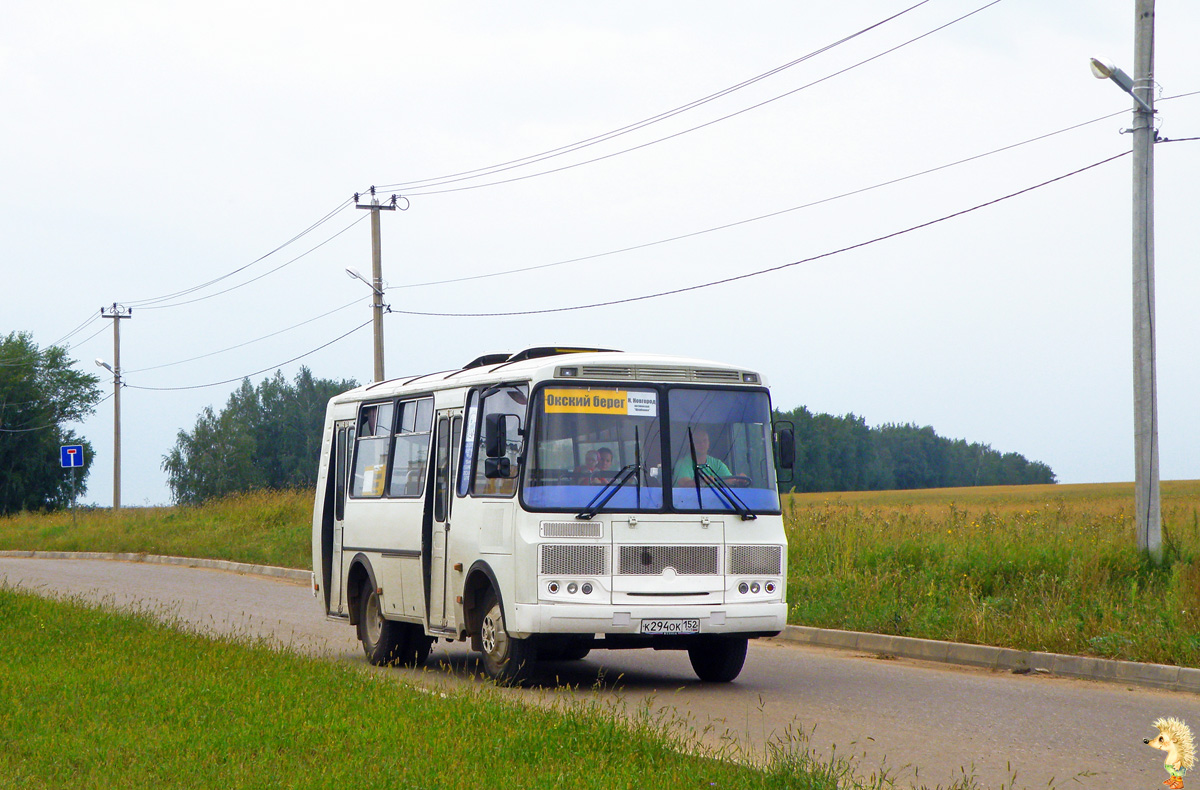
[585, 438]
[727, 435]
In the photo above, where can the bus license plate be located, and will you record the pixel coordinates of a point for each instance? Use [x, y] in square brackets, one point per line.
[689, 625]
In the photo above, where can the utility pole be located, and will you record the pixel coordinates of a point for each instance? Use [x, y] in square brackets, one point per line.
[116, 312]
[376, 274]
[1145, 395]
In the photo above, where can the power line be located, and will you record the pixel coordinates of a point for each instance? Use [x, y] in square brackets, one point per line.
[144, 303]
[47, 426]
[736, 223]
[255, 373]
[748, 275]
[86, 339]
[453, 177]
[248, 342]
[92, 317]
[259, 277]
[422, 191]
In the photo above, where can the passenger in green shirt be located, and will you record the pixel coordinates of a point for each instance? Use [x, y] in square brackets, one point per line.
[685, 472]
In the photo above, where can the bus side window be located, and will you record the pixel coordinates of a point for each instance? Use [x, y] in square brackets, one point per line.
[371, 453]
[508, 400]
[339, 489]
[410, 456]
[466, 465]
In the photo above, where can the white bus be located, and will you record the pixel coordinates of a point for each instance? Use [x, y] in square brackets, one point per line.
[550, 502]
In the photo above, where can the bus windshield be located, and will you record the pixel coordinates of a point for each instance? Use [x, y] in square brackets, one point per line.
[651, 442]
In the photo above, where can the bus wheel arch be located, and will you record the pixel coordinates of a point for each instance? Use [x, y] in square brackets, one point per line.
[359, 575]
[506, 658]
[480, 580]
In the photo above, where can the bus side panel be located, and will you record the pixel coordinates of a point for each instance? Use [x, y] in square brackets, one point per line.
[389, 531]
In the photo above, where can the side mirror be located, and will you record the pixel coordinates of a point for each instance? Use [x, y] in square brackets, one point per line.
[785, 440]
[497, 468]
[499, 431]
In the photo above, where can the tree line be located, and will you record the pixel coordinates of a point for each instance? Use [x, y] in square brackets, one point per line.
[267, 436]
[40, 392]
[844, 454]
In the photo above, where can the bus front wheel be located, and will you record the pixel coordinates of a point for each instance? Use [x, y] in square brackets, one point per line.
[505, 658]
[384, 641]
[718, 659]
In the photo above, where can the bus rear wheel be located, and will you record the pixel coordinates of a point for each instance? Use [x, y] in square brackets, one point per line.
[384, 641]
[718, 659]
[505, 658]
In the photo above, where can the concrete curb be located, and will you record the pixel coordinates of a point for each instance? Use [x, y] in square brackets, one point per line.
[1160, 676]
[291, 574]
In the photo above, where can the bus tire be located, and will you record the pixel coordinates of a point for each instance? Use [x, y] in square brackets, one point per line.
[416, 647]
[505, 658]
[565, 649]
[718, 659]
[384, 641]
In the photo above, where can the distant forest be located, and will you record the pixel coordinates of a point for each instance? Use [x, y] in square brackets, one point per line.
[843, 454]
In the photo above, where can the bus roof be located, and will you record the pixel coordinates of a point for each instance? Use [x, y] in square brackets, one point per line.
[565, 364]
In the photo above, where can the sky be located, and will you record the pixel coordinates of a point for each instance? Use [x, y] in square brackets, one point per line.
[150, 148]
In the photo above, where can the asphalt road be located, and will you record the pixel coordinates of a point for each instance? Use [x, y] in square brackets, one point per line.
[925, 722]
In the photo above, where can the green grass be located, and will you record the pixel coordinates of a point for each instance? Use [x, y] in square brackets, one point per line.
[1051, 568]
[91, 698]
[259, 527]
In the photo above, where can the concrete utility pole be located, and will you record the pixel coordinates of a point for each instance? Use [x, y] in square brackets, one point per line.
[116, 312]
[1145, 390]
[376, 274]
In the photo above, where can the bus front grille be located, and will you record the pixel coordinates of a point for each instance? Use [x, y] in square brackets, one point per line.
[756, 560]
[572, 529]
[653, 560]
[574, 560]
[662, 373]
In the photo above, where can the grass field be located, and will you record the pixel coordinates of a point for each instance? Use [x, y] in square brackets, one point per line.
[260, 527]
[1049, 568]
[91, 698]
[1031, 567]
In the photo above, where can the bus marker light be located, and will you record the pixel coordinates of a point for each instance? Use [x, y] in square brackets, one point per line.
[587, 588]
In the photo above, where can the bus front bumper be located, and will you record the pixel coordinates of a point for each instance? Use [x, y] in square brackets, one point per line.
[758, 619]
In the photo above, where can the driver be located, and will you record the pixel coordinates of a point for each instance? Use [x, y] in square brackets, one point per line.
[685, 472]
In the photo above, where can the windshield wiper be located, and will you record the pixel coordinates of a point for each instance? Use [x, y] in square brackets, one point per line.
[620, 479]
[609, 491]
[713, 481]
[723, 490]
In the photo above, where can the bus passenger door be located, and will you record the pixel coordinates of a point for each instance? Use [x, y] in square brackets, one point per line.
[343, 449]
[446, 441]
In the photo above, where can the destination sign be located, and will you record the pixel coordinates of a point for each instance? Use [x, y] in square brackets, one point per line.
[642, 403]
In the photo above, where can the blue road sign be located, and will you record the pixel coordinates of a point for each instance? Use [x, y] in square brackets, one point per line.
[72, 455]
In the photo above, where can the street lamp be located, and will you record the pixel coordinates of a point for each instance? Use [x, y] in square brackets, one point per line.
[1105, 70]
[1147, 502]
[116, 371]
